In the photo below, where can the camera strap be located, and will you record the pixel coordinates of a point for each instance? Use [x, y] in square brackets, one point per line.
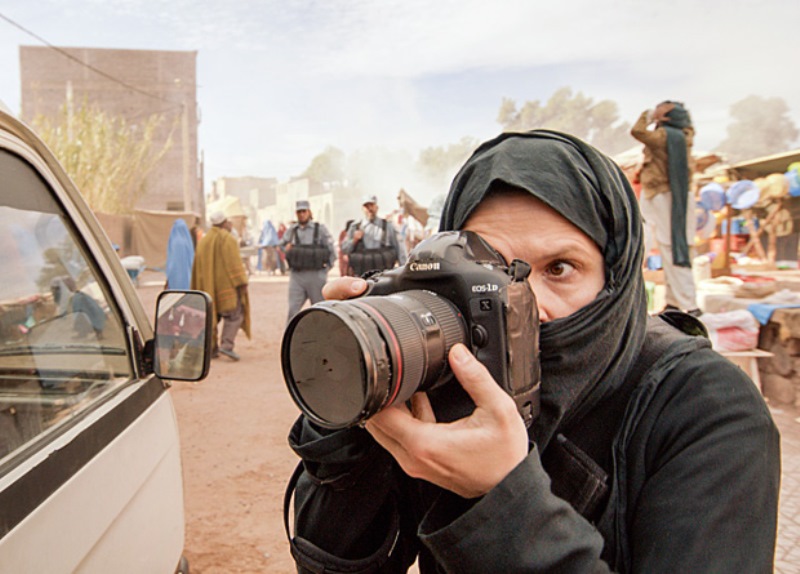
[579, 461]
[310, 558]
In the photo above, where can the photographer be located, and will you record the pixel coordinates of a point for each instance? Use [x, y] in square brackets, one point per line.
[651, 453]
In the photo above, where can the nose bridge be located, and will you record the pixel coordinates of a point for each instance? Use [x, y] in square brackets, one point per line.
[536, 282]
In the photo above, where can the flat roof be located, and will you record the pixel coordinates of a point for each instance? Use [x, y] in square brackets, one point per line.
[763, 166]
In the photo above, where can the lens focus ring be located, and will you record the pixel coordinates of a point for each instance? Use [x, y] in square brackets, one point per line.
[447, 315]
[408, 346]
[424, 327]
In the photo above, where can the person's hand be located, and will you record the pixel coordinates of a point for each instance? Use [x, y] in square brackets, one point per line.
[357, 235]
[661, 112]
[344, 288]
[287, 248]
[469, 456]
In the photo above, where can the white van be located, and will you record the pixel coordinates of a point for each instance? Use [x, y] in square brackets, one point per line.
[90, 469]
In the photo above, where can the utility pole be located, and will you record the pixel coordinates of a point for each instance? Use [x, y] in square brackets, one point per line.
[188, 204]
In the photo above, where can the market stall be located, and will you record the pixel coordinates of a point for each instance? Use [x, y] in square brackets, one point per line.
[756, 206]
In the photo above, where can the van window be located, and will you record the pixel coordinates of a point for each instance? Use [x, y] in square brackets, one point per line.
[62, 343]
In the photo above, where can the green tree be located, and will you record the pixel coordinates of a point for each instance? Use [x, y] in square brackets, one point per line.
[107, 158]
[438, 164]
[579, 115]
[327, 167]
[761, 126]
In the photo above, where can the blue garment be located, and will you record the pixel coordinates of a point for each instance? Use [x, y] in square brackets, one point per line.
[180, 256]
[269, 236]
[763, 311]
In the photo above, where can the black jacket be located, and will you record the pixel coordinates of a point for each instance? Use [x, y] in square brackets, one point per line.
[694, 467]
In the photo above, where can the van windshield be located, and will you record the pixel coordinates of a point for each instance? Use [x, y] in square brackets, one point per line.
[62, 343]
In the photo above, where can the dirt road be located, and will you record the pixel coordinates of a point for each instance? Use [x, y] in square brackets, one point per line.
[236, 460]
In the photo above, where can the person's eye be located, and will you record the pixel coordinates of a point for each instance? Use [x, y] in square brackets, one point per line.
[560, 269]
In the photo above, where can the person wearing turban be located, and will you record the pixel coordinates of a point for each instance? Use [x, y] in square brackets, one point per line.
[218, 270]
[666, 197]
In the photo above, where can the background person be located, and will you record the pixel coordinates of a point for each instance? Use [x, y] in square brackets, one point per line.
[268, 249]
[196, 232]
[372, 242]
[180, 256]
[310, 253]
[344, 260]
[281, 254]
[88, 317]
[652, 453]
[666, 202]
[218, 270]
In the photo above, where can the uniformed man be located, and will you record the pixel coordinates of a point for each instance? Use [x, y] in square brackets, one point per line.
[309, 250]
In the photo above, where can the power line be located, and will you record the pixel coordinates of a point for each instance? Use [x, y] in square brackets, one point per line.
[86, 65]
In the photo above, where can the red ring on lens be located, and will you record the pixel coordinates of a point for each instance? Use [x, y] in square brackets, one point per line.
[394, 343]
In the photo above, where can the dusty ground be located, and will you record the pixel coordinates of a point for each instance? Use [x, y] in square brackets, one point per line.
[236, 461]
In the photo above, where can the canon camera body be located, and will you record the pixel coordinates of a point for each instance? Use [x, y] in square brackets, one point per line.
[344, 361]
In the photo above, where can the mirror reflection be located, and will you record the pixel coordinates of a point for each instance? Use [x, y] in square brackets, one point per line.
[63, 347]
[182, 343]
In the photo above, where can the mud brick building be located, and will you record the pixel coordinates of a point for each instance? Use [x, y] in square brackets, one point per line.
[134, 84]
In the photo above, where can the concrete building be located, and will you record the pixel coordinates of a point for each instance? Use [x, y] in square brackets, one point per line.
[133, 84]
[253, 193]
[330, 205]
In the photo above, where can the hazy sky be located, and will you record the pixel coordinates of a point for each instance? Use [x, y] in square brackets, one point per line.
[279, 80]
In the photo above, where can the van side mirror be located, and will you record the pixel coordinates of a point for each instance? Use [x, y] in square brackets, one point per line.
[183, 335]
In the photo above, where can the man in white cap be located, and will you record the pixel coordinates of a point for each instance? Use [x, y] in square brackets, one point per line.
[309, 250]
[218, 270]
[372, 243]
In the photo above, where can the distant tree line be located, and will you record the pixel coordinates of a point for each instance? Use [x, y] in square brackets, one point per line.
[109, 159]
[595, 122]
[759, 126]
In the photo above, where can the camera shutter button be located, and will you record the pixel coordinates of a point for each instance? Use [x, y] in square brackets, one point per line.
[479, 336]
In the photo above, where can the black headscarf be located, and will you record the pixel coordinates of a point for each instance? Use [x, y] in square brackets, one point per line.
[586, 356]
[678, 170]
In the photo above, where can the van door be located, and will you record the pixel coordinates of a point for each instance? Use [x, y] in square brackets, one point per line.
[90, 473]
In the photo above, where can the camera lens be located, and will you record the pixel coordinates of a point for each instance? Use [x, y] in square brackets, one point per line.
[344, 361]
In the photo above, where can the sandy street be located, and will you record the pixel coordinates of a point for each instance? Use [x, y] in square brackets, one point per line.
[236, 460]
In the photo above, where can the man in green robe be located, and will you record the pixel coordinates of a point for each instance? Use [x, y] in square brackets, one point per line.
[218, 270]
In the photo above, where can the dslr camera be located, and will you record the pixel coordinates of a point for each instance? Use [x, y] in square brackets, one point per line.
[344, 361]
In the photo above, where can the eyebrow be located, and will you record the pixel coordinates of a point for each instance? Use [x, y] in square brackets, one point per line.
[572, 248]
